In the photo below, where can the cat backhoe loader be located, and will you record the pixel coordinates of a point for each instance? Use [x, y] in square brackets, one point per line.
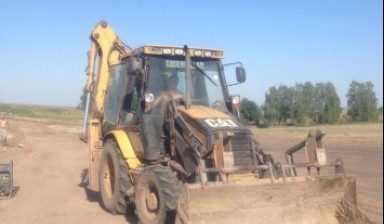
[182, 156]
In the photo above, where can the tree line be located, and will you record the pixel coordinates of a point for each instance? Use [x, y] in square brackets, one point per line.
[306, 103]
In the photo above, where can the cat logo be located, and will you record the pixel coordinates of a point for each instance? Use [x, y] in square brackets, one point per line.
[220, 123]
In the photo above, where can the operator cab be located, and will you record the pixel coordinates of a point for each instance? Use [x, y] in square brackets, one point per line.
[140, 78]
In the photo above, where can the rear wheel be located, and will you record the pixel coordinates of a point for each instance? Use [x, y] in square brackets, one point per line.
[156, 194]
[114, 180]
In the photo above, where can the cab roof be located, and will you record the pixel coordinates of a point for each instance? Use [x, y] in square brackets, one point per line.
[178, 51]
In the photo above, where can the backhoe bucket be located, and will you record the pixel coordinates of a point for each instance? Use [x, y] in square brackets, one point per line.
[295, 200]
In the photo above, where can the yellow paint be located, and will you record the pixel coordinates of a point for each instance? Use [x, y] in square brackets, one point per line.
[201, 112]
[95, 145]
[126, 148]
[106, 50]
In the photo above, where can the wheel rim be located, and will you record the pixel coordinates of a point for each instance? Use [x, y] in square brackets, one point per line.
[109, 177]
[152, 202]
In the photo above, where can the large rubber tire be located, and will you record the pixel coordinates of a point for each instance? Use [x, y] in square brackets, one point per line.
[114, 180]
[156, 195]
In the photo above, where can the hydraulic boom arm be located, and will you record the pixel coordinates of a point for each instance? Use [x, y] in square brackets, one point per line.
[106, 50]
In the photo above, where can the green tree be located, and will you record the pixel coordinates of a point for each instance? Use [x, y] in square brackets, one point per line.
[250, 112]
[271, 106]
[286, 107]
[326, 104]
[362, 102]
[300, 106]
[279, 104]
[83, 99]
[309, 97]
[296, 105]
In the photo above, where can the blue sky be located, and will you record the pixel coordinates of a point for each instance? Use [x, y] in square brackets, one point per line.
[44, 43]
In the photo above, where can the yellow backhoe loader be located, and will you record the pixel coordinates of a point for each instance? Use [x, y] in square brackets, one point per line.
[164, 136]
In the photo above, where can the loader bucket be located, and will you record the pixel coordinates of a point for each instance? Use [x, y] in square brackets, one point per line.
[295, 200]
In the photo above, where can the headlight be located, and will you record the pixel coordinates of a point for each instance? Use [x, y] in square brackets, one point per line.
[149, 97]
[236, 100]
[207, 54]
[179, 51]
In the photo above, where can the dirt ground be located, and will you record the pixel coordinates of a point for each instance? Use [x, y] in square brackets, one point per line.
[50, 160]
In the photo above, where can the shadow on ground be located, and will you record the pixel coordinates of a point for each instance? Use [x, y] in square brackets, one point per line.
[94, 196]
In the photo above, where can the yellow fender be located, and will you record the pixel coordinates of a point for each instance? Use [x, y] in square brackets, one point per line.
[126, 148]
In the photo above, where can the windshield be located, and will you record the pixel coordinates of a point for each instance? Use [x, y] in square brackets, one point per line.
[206, 86]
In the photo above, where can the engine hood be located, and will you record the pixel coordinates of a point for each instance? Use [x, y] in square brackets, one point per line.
[213, 126]
[209, 120]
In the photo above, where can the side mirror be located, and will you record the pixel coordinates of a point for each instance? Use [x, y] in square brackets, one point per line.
[240, 74]
[136, 66]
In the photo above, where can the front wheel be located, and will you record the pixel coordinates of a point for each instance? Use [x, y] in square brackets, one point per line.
[156, 194]
[114, 180]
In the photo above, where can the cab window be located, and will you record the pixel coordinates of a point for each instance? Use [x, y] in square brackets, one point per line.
[114, 95]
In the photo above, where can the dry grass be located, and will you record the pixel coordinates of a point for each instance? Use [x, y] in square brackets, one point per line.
[62, 114]
[367, 135]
